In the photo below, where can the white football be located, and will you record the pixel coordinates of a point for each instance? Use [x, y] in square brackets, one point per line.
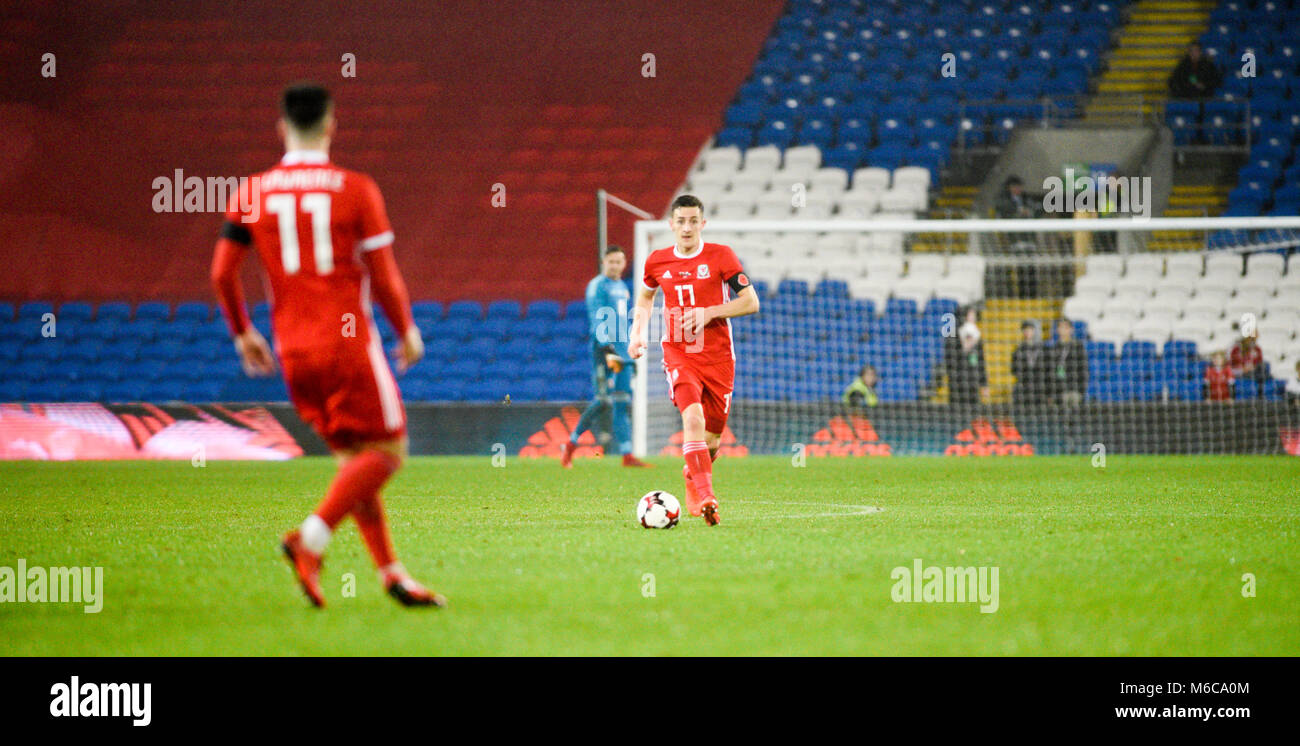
[658, 509]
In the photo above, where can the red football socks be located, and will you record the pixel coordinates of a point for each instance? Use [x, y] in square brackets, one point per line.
[696, 454]
[374, 530]
[359, 479]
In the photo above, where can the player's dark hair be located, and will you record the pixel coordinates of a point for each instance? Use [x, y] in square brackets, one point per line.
[305, 105]
[615, 249]
[686, 200]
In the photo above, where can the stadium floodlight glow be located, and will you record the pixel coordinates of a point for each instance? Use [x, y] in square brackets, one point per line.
[837, 249]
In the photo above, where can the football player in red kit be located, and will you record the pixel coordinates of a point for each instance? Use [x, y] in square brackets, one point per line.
[699, 281]
[325, 244]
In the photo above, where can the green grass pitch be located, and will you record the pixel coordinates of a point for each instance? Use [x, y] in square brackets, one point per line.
[1144, 557]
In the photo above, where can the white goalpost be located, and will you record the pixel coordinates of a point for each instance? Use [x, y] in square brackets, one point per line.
[1153, 297]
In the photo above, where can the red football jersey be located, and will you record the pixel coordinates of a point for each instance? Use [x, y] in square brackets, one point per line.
[1219, 381]
[309, 221]
[696, 281]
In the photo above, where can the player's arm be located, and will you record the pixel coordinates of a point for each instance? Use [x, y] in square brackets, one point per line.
[254, 353]
[390, 290]
[645, 303]
[385, 279]
[744, 304]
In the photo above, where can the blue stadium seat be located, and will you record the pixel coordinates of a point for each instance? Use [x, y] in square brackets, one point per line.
[504, 309]
[543, 310]
[34, 310]
[575, 309]
[426, 309]
[75, 311]
[153, 311]
[465, 309]
[193, 312]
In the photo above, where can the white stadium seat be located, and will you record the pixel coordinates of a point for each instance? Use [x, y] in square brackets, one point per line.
[1257, 286]
[961, 288]
[833, 241]
[884, 266]
[787, 179]
[1223, 263]
[1177, 285]
[1111, 265]
[1154, 329]
[899, 200]
[724, 159]
[1183, 264]
[804, 157]
[747, 181]
[914, 176]
[734, 207]
[919, 289]
[833, 180]
[1172, 296]
[926, 265]
[773, 206]
[1141, 286]
[817, 206]
[858, 205]
[1266, 263]
[871, 177]
[1082, 308]
[1094, 284]
[967, 264]
[871, 288]
[1210, 294]
[1145, 265]
[885, 241]
[1206, 317]
[1127, 315]
[1106, 330]
[763, 158]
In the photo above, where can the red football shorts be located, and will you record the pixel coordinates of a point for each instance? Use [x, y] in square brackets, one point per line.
[709, 385]
[346, 393]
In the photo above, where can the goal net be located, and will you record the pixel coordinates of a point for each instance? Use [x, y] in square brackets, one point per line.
[898, 336]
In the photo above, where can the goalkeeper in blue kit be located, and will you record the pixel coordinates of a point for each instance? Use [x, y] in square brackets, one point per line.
[607, 318]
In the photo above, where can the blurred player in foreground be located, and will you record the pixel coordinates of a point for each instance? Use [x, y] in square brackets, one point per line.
[698, 280]
[325, 244]
[607, 307]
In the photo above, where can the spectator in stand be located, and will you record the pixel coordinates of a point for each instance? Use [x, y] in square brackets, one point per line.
[1293, 386]
[1247, 362]
[1014, 202]
[1218, 378]
[1068, 366]
[1195, 76]
[862, 391]
[1027, 365]
[963, 361]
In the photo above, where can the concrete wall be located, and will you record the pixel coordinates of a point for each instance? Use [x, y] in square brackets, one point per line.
[1035, 154]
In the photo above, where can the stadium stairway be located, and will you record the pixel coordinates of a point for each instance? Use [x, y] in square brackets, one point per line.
[1150, 44]
[1000, 329]
[1190, 201]
[954, 201]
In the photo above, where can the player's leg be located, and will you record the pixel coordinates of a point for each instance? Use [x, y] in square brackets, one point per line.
[600, 384]
[716, 383]
[684, 390]
[309, 400]
[621, 397]
[699, 467]
[373, 526]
